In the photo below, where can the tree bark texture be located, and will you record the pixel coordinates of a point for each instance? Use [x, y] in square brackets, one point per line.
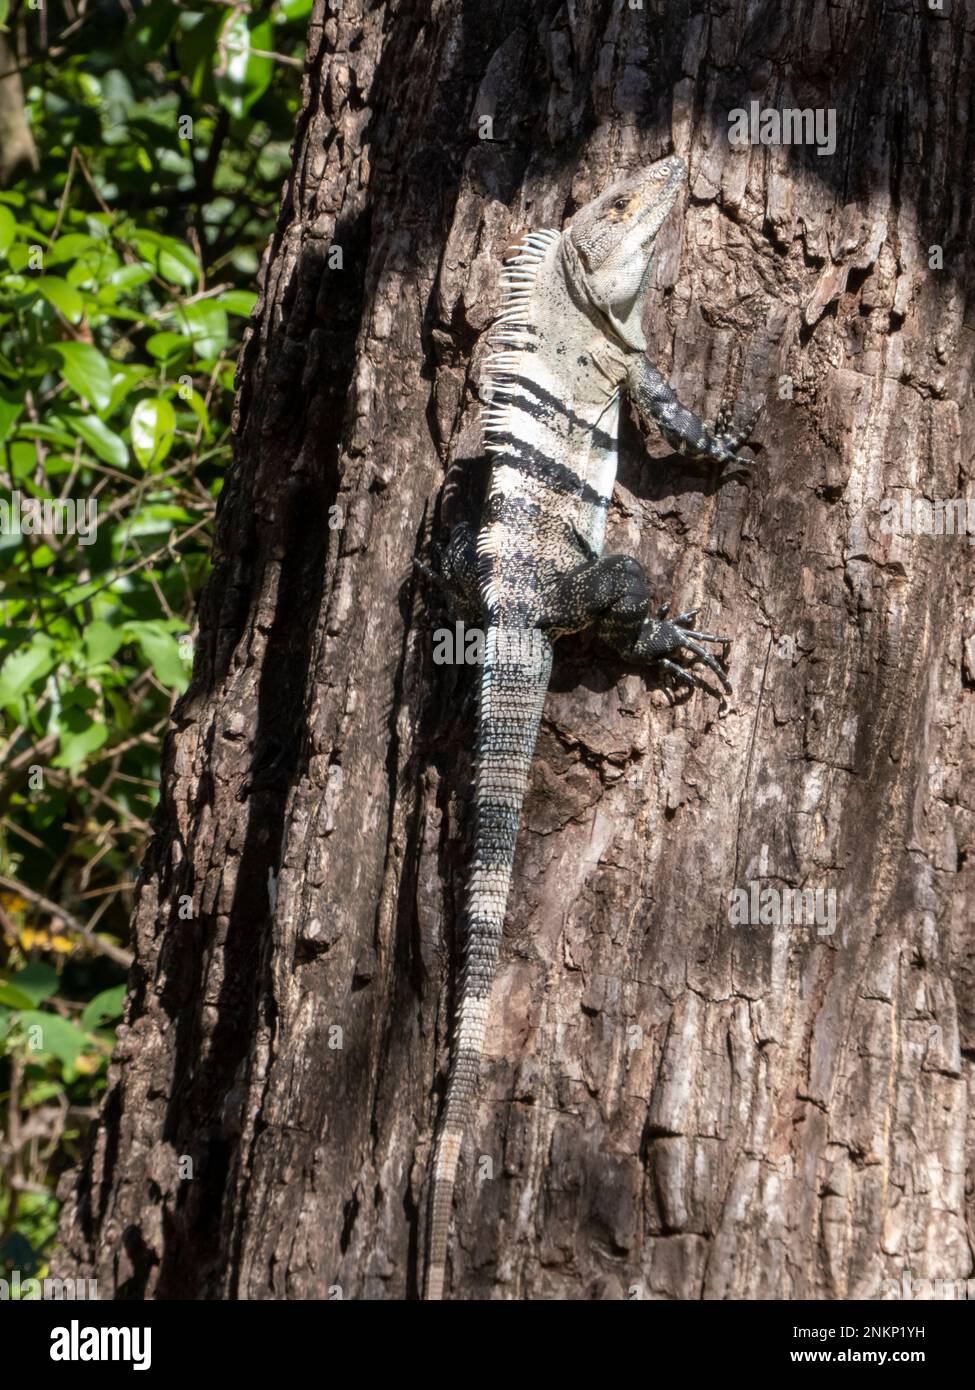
[672, 1105]
[18, 152]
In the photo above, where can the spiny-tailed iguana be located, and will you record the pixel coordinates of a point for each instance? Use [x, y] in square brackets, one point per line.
[569, 340]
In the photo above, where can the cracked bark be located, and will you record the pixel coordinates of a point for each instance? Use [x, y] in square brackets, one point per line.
[673, 1106]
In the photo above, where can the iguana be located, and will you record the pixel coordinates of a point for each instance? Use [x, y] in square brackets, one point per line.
[569, 342]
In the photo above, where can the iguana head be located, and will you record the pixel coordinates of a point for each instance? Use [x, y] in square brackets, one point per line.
[611, 241]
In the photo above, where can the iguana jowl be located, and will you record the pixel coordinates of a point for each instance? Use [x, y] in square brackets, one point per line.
[570, 342]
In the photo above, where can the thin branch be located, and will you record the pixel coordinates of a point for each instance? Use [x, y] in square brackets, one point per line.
[116, 953]
[279, 57]
[63, 200]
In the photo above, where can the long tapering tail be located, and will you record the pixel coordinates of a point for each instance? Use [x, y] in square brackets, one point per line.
[517, 664]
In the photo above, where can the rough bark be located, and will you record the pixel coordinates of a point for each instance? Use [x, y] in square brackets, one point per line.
[18, 153]
[673, 1105]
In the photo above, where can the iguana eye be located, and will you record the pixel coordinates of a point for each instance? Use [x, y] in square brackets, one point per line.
[621, 204]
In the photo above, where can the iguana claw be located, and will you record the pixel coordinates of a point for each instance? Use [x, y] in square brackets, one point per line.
[674, 635]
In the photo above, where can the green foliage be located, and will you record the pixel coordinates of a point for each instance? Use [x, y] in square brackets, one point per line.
[127, 269]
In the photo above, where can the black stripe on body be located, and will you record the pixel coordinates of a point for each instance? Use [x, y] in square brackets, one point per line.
[544, 405]
[520, 511]
[544, 469]
[505, 329]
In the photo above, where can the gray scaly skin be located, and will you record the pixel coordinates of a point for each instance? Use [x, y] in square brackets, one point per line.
[569, 342]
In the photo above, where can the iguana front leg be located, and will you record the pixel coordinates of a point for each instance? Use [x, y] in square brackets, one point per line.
[656, 400]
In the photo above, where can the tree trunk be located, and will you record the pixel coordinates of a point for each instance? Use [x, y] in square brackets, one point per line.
[18, 152]
[672, 1104]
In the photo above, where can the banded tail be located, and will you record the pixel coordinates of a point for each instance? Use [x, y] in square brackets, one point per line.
[517, 664]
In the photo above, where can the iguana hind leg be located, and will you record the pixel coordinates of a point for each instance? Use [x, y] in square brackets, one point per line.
[456, 572]
[613, 594]
[460, 568]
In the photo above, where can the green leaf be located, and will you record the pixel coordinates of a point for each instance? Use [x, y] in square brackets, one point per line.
[296, 9]
[237, 302]
[90, 86]
[152, 425]
[104, 1007]
[197, 404]
[158, 516]
[86, 371]
[103, 442]
[40, 1092]
[22, 668]
[18, 256]
[244, 259]
[50, 1035]
[80, 736]
[164, 346]
[11, 405]
[70, 246]
[205, 324]
[38, 981]
[196, 46]
[129, 277]
[125, 378]
[61, 296]
[8, 229]
[243, 76]
[52, 435]
[148, 33]
[160, 649]
[171, 259]
[121, 709]
[102, 641]
[93, 268]
[14, 998]
[23, 460]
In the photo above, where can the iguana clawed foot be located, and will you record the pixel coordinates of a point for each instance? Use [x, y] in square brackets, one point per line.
[657, 401]
[730, 436]
[661, 636]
